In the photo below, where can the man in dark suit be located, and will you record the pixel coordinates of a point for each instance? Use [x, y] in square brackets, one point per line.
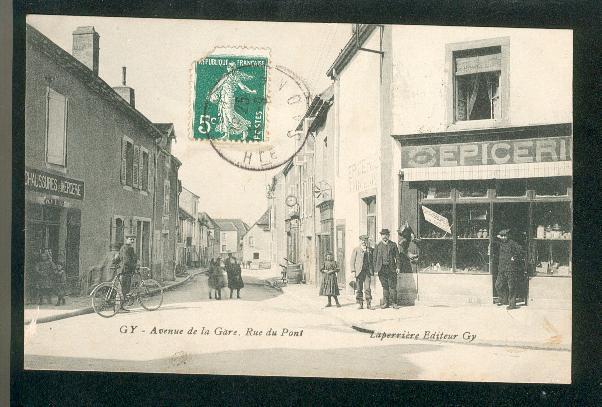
[127, 261]
[386, 265]
[510, 259]
[362, 267]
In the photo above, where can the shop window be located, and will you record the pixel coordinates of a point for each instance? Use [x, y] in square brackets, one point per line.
[551, 186]
[436, 221]
[438, 190]
[552, 238]
[472, 243]
[435, 256]
[56, 128]
[473, 189]
[511, 188]
[477, 84]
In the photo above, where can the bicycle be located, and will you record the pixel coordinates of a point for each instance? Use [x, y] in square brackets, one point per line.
[107, 297]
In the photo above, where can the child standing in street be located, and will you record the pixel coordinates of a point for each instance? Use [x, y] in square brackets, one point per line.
[60, 284]
[330, 285]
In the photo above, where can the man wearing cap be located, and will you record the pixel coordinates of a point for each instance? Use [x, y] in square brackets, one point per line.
[128, 261]
[362, 266]
[510, 259]
[386, 265]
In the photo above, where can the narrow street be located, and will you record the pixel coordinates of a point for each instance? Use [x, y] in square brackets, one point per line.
[308, 341]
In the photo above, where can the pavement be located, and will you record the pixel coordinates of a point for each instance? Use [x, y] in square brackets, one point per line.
[483, 325]
[81, 305]
[525, 327]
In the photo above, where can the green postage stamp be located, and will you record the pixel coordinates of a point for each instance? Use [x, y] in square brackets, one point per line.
[229, 100]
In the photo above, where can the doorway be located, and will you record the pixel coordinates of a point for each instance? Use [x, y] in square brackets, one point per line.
[341, 254]
[515, 217]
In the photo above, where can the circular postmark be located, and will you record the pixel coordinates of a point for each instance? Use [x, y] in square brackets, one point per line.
[252, 113]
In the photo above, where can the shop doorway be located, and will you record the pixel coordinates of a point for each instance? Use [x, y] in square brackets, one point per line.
[324, 246]
[515, 217]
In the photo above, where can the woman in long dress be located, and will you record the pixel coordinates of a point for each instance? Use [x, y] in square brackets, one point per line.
[216, 279]
[230, 121]
[330, 285]
[234, 276]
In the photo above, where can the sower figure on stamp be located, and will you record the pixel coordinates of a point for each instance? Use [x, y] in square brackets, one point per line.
[127, 261]
[230, 121]
[510, 259]
[362, 267]
[386, 266]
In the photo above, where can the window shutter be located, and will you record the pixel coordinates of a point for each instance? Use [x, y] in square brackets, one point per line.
[56, 128]
[124, 148]
[136, 170]
[151, 180]
[141, 168]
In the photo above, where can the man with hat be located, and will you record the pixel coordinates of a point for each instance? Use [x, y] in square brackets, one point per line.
[510, 259]
[386, 265]
[127, 259]
[362, 267]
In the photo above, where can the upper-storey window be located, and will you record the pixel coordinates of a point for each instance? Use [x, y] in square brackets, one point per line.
[56, 128]
[479, 79]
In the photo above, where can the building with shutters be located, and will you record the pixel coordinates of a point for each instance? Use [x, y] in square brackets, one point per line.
[257, 244]
[96, 168]
[469, 133]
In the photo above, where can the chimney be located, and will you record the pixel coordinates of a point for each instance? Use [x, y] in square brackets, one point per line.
[85, 47]
[125, 91]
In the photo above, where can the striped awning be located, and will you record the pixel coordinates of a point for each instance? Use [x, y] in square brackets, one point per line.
[475, 172]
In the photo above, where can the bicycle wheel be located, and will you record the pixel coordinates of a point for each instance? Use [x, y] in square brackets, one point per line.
[106, 300]
[150, 294]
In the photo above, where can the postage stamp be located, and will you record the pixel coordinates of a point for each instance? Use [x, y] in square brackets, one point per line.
[230, 98]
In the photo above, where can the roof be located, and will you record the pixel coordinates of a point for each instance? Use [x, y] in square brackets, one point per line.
[264, 220]
[166, 129]
[317, 106]
[184, 214]
[350, 49]
[88, 78]
[204, 216]
[232, 225]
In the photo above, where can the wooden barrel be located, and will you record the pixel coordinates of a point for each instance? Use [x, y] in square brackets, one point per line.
[294, 273]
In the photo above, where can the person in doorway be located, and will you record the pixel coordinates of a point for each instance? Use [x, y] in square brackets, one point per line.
[60, 284]
[44, 271]
[362, 267]
[408, 250]
[234, 276]
[386, 265]
[510, 259]
[127, 261]
[330, 285]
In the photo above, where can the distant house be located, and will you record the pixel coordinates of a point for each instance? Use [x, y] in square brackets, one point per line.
[257, 243]
[232, 232]
[209, 235]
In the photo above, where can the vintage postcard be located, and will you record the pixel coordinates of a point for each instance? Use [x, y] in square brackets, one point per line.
[298, 199]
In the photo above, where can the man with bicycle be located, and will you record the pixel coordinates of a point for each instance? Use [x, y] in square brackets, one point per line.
[127, 261]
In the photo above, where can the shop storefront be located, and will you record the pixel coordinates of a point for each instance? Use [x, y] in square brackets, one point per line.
[524, 185]
[53, 219]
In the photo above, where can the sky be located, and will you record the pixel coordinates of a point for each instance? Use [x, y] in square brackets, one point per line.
[159, 53]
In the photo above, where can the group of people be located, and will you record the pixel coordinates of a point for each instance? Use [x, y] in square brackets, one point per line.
[49, 279]
[389, 259]
[217, 280]
[386, 260]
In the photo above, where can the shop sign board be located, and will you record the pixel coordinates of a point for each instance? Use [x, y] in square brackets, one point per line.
[436, 219]
[41, 181]
[534, 150]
